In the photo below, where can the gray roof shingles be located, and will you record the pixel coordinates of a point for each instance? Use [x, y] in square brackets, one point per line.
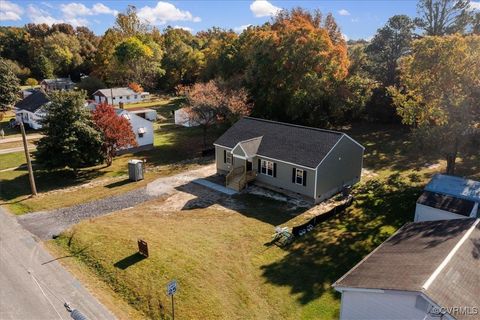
[282, 141]
[33, 102]
[407, 260]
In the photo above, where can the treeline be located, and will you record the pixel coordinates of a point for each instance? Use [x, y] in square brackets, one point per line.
[296, 68]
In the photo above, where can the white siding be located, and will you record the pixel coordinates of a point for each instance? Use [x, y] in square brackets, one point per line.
[426, 213]
[389, 305]
[137, 123]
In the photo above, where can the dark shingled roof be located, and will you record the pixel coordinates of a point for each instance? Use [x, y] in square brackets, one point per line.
[409, 258]
[33, 102]
[286, 142]
[447, 203]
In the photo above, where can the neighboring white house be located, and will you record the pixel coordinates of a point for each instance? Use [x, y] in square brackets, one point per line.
[448, 197]
[427, 270]
[57, 84]
[182, 118]
[142, 128]
[120, 95]
[145, 113]
[30, 110]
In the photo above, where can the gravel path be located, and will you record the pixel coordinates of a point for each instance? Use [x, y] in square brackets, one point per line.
[46, 224]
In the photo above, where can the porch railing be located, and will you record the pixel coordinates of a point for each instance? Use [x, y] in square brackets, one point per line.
[234, 173]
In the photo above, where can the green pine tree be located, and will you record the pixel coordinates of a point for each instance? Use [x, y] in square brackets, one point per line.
[9, 87]
[43, 67]
[71, 139]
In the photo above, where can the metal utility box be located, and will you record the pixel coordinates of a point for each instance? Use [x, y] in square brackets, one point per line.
[135, 170]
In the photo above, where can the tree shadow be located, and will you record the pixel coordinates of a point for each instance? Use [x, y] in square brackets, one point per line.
[319, 258]
[129, 261]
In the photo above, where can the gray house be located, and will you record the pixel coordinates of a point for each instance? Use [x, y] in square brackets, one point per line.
[313, 162]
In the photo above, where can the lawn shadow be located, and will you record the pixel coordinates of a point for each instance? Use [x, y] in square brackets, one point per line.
[264, 209]
[118, 183]
[129, 261]
[316, 260]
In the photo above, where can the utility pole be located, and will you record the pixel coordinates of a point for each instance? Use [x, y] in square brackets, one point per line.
[29, 162]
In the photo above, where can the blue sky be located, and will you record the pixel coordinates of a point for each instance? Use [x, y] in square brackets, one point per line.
[357, 19]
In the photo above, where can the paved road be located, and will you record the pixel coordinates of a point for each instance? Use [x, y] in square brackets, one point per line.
[31, 147]
[19, 138]
[31, 296]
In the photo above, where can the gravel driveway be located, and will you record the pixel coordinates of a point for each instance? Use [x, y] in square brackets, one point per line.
[46, 224]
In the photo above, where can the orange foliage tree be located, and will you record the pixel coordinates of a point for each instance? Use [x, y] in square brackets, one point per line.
[135, 87]
[294, 66]
[116, 131]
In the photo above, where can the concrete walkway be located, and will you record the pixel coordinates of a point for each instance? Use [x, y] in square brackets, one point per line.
[215, 186]
[33, 285]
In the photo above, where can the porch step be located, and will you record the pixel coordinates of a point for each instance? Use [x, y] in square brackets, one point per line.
[214, 186]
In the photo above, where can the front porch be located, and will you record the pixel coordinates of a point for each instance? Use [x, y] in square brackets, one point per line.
[241, 173]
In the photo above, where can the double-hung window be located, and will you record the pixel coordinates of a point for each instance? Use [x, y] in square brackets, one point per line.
[299, 176]
[228, 158]
[267, 168]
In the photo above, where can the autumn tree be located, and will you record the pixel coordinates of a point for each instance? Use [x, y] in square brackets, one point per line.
[208, 103]
[439, 94]
[32, 82]
[135, 87]
[9, 87]
[116, 131]
[440, 17]
[182, 60]
[69, 133]
[294, 66]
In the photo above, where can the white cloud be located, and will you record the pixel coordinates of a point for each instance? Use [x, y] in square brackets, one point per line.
[100, 8]
[241, 28]
[475, 5]
[38, 15]
[164, 12]
[263, 8]
[10, 11]
[75, 9]
[345, 37]
[343, 12]
[355, 20]
[184, 28]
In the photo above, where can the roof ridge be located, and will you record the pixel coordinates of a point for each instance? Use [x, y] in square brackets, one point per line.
[259, 137]
[295, 125]
[450, 255]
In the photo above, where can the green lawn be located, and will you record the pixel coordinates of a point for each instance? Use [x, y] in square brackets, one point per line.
[221, 255]
[172, 145]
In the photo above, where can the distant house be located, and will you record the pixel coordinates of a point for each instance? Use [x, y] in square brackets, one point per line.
[182, 118]
[142, 128]
[313, 162]
[145, 113]
[448, 197]
[30, 110]
[427, 270]
[116, 96]
[57, 84]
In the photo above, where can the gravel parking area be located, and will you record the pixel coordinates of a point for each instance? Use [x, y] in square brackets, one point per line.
[46, 224]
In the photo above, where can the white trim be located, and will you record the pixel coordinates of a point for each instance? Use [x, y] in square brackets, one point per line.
[356, 142]
[342, 289]
[219, 145]
[237, 156]
[449, 257]
[239, 145]
[266, 168]
[296, 176]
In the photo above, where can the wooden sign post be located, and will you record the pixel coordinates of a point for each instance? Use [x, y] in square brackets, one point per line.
[143, 248]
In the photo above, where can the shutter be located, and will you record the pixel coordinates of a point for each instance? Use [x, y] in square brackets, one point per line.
[224, 156]
[293, 175]
[259, 166]
[274, 170]
[304, 177]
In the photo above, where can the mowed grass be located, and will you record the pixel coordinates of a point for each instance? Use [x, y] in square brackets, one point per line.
[222, 259]
[12, 160]
[175, 149]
